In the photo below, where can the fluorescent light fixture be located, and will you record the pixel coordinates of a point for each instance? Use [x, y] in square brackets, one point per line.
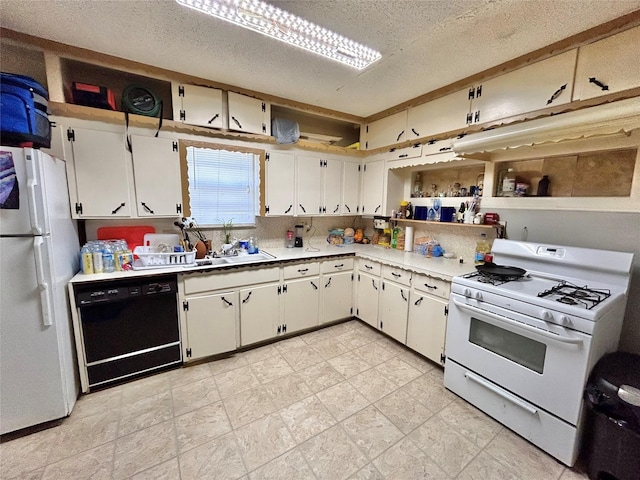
[286, 27]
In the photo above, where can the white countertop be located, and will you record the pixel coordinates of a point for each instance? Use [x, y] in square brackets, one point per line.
[445, 268]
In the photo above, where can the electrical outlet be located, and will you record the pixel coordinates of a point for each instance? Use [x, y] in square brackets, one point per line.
[306, 225]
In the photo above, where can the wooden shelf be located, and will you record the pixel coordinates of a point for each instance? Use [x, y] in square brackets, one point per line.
[450, 224]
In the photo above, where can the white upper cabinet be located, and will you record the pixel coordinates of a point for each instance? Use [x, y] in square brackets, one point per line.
[197, 105]
[372, 188]
[332, 191]
[309, 185]
[280, 184]
[156, 166]
[543, 84]
[386, 131]
[441, 115]
[99, 178]
[608, 66]
[247, 114]
[351, 188]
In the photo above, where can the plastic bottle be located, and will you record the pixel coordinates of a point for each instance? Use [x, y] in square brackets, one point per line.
[482, 248]
[108, 258]
[253, 245]
[394, 237]
[86, 259]
[509, 184]
[543, 186]
[96, 251]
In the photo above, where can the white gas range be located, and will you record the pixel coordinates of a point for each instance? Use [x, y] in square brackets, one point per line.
[524, 332]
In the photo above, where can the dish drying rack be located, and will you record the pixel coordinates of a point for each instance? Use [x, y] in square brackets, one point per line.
[153, 257]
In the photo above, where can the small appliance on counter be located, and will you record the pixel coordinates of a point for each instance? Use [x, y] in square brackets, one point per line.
[299, 232]
[382, 232]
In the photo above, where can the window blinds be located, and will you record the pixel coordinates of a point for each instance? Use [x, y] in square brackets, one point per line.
[222, 186]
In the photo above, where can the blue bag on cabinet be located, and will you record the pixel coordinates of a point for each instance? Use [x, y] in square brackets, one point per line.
[24, 118]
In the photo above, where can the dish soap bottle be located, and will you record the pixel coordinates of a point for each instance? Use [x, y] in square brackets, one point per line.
[482, 248]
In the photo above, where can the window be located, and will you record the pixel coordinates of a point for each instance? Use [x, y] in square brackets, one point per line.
[223, 184]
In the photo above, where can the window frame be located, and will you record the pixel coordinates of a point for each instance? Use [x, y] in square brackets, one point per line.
[184, 174]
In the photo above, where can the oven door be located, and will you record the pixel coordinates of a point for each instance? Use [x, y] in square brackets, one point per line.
[544, 363]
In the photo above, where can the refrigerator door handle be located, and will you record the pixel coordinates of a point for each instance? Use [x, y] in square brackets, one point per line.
[35, 196]
[43, 285]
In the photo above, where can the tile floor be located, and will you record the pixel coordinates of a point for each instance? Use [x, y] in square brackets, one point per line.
[341, 402]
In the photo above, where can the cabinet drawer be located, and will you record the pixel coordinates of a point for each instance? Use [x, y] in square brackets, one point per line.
[432, 285]
[205, 282]
[369, 267]
[398, 275]
[337, 265]
[301, 270]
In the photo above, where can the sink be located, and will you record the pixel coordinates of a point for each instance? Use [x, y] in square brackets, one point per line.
[255, 257]
[211, 261]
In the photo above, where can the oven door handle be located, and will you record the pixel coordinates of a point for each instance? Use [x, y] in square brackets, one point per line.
[521, 326]
[502, 393]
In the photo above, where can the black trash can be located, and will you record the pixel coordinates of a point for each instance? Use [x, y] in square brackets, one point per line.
[611, 442]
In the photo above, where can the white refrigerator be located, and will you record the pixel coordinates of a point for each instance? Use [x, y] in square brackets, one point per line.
[38, 255]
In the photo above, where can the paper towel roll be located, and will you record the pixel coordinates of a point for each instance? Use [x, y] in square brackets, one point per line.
[408, 239]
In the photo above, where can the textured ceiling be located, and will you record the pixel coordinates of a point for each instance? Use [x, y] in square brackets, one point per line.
[425, 44]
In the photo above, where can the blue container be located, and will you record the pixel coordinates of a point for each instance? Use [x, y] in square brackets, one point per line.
[420, 213]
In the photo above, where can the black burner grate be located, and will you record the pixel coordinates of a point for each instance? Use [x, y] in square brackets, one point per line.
[492, 279]
[570, 294]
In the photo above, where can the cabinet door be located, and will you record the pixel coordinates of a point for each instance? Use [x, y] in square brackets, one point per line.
[427, 326]
[372, 188]
[301, 304]
[199, 106]
[102, 177]
[332, 187]
[259, 313]
[309, 185]
[248, 114]
[386, 131]
[280, 184]
[394, 307]
[367, 291]
[613, 63]
[441, 115]
[156, 168]
[337, 296]
[351, 188]
[211, 324]
[534, 87]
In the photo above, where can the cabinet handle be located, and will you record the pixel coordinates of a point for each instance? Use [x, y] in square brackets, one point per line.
[402, 295]
[237, 122]
[415, 133]
[315, 287]
[377, 208]
[227, 301]
[418, 301]
[373, 282]
[300, 205]
[337, 208]
[556, 94]
[404, 155]
[247, 299]
[397, 275]
[147, 208]
[303, 270]
[444, 149]
[326, 285]
[478, 91]
[432, 287]
[340, 265]
[400, 135]
[347, 207]
[216, 116]
[368, 267]
[113, 212]
[602, 86]
[288, 209]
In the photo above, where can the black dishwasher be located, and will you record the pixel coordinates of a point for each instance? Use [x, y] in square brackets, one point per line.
[129, 327]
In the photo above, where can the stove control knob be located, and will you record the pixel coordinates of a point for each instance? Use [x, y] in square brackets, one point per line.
[564, 320]
[546, 315]
[467, 292]
[478, 295]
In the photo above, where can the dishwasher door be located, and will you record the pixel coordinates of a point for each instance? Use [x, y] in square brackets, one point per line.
[129, 327]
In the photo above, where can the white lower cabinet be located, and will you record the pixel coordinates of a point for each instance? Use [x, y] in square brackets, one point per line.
[394, 307]
[337, 289]
[210, 324]
[259, 313]
[368, 291]
[301, 299]
[428, 310]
